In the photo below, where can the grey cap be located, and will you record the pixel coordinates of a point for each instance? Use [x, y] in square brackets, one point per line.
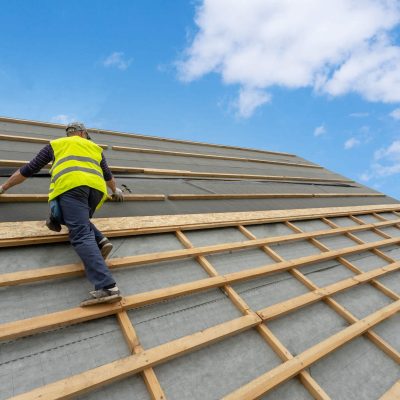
[77, 127]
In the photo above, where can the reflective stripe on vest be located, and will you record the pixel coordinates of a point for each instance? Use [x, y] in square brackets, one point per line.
[70, 169]
[75, 158]
[77, 163]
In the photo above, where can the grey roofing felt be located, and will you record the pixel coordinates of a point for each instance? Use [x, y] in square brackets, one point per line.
[218, 369]
[132, 388]
[362, 300]
[391, 230]
[343, 221]
[138, 184]
[313, 225]
[134, 141]
[301, 248]
[269, 230]
[388, 215]
[215, 369]
[359, 370]
[368, 236]
[307, 327]
[292, 389]
[20, 151]
[336, 241]
[266, 291]
[392, 281]
[366, 261]
[368, 218]
[170, 320]
[389, 331]
[326, 273]
[46, 357]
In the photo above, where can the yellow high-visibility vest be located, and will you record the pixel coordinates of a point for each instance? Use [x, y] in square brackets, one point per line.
[76, 163]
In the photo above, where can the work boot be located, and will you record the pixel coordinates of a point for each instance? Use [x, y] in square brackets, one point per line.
[105, 247]
[102, 296]
[52, 224]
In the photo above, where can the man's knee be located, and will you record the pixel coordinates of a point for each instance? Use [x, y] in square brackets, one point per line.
[80, 232]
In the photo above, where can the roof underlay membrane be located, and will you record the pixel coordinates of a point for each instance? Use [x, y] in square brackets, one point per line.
[280, 282]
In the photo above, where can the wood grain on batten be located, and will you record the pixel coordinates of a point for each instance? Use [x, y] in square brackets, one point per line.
[32, 232]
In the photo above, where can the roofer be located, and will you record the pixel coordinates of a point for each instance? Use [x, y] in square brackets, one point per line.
[78, 186]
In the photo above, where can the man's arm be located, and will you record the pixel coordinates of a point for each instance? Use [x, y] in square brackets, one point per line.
[112, 184]
[110, 181]
[45, 156]
[15, 179]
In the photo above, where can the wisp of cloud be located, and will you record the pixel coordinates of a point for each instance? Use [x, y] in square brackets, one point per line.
[332, 46]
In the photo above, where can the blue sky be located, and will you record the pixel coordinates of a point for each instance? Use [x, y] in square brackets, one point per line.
[318, 79]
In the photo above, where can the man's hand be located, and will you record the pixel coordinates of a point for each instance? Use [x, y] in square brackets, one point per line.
[117, 195]
[2, 190]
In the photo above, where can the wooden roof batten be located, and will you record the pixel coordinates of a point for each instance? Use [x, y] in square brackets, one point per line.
[30, 139]
[34, 232]
[22, 328]
[206, 174]
[108, 373]
[42, 198]
[211, 156]
[38, 274]
[143, 360]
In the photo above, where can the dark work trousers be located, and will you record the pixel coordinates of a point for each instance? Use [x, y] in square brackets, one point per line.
[77, 206]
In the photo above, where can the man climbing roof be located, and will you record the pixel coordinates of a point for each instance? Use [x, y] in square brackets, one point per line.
[78, 186]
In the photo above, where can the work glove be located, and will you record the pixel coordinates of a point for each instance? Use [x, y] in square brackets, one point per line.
[2, 190]
[118, 195]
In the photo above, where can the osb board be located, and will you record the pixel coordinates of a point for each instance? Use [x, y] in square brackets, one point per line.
[32, 229]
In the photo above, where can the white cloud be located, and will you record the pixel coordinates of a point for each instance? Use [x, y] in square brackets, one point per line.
[63, 119]
[249, 100]
[350, 143]
[319, 130]
[395, 114]
[386, 162]
[117, 60]
[391, 153]
[332, 46]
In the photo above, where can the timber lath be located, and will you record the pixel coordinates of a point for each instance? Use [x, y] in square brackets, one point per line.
[144, 360]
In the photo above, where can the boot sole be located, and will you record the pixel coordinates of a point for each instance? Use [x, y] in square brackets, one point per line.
[109, 299]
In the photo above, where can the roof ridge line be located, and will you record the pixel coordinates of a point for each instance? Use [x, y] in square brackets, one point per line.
[138, 135]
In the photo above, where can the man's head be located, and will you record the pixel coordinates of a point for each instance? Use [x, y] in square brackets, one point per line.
[77, 129]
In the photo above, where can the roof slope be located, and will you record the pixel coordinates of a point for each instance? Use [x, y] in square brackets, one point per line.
[297, 303]
[180, 177]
